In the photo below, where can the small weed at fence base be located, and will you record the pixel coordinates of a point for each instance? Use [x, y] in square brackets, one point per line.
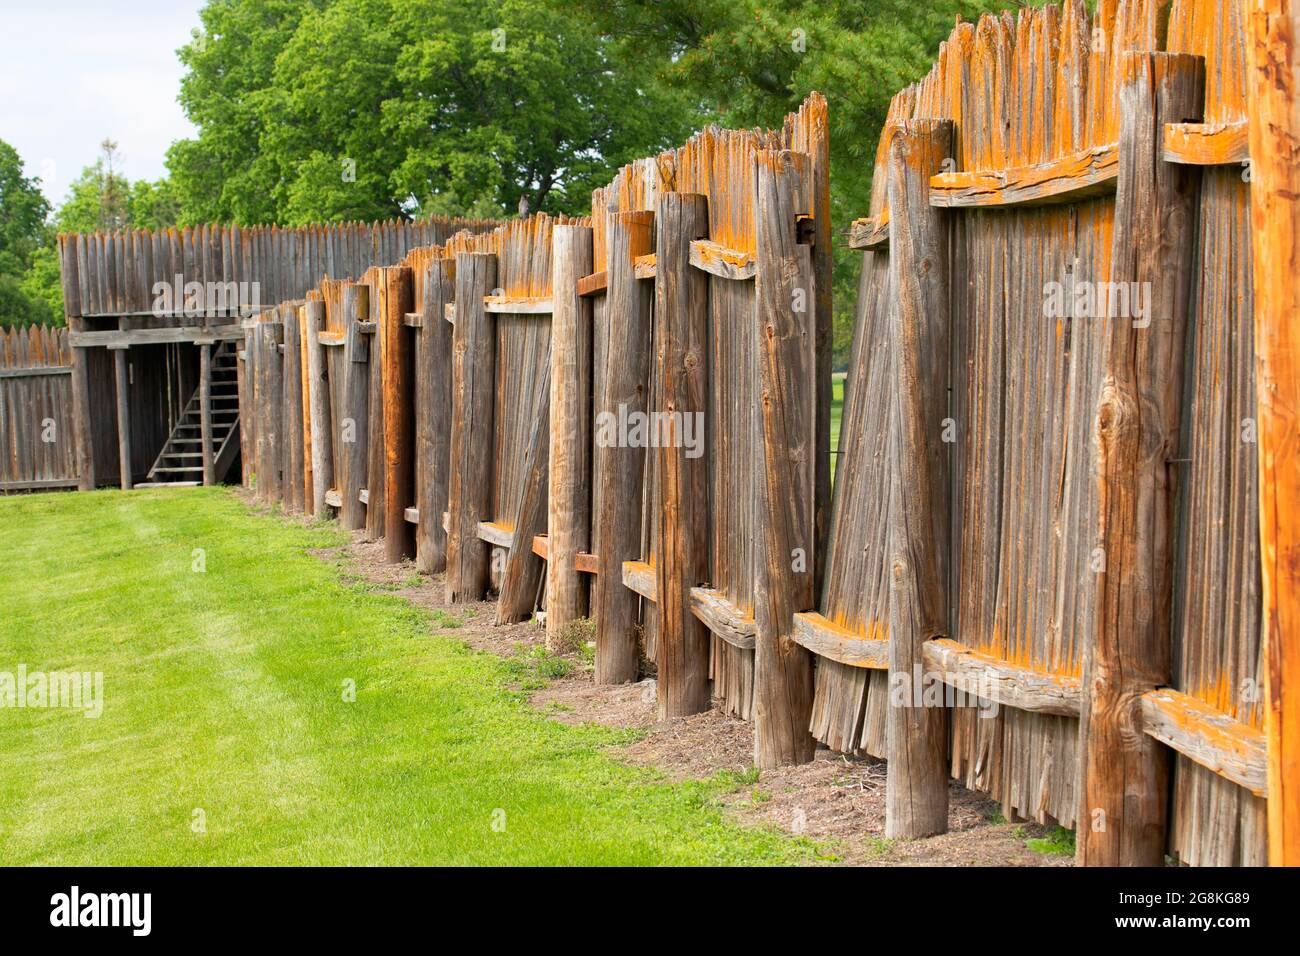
[1059, 842]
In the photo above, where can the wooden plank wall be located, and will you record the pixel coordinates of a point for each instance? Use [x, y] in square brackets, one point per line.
[1035, 103]
[113, 274]
[37, 450]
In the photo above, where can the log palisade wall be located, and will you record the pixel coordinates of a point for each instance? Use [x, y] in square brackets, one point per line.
[1039, 571]
[36, 415]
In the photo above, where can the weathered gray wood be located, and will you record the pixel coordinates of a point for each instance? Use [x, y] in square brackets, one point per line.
[916, 797]
[433, 403]
[205, 412]
[473, 391]
[826, 639]
[318, 399]
[1089, 172]
[123, 419]
[1214, 740]
[523, 570]
[723, 618]
[994, 679]
[291, 410]
[785, 552]
[569, 491]
[354, 429]
[618, 471]
[681, 490]
[1125, 773]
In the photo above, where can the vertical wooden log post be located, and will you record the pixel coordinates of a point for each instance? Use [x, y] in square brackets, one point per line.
[304, 402]
[916, 798]
[245, 410]
[568, 501]
[433, 415]
[628, 305]
[785, 552]
[81, 415]
[375, 448]
[682, 545]
[318, 398]
[253, 354]
[473, 393]
[354, 429]
[205, 411]
[1124, 772]
[1273, 80]
[399, 420]
[291, 409]
[123, 418]
[274, 401]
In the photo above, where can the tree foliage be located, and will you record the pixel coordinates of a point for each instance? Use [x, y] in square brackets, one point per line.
[367, 109]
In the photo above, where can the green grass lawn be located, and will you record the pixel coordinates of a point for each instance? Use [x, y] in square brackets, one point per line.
[224, 712]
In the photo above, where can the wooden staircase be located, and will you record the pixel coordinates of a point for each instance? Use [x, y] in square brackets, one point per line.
[180, 463]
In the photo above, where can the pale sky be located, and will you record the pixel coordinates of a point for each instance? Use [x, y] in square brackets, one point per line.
[73, 72]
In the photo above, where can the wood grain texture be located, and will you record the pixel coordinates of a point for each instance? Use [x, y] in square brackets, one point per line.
[354, 422]
[433, 411]
[569, 490]
[1273, 31]
[618, 471]
[473, 378]
[318, 399]
[680, 491]
[396, 298]
[786, 550]
[916, 796]
[1124, 774]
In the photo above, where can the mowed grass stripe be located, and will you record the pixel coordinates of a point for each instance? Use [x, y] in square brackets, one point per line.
[224, 694]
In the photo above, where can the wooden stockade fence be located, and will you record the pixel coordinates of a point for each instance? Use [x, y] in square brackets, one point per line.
[1039, 572]
[36, 416]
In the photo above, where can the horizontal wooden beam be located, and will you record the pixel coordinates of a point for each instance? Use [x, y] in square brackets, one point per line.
[125, 339]
[583, 561]
[363, 496]
[334, 498]
[1206, 144]
[413, 320]
[870, 233]
[367, 328]
[827, 639]
[39, 484]
[1089, 172]
[1212, 739]
[593, 284]
[449, 312]
[644, 266]
[411, 515]
[718, 260]
[497, 532]
[332, 339]
[723, 618]
[519, 304]
[640, 577]
[992, 678]
[32, 372]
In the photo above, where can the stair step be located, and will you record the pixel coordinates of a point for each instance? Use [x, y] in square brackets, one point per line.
[182, 454]
[171, 468]
[168, 484]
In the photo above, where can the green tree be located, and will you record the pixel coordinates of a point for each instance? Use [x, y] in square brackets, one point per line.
[23, 233]
[364, 109]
